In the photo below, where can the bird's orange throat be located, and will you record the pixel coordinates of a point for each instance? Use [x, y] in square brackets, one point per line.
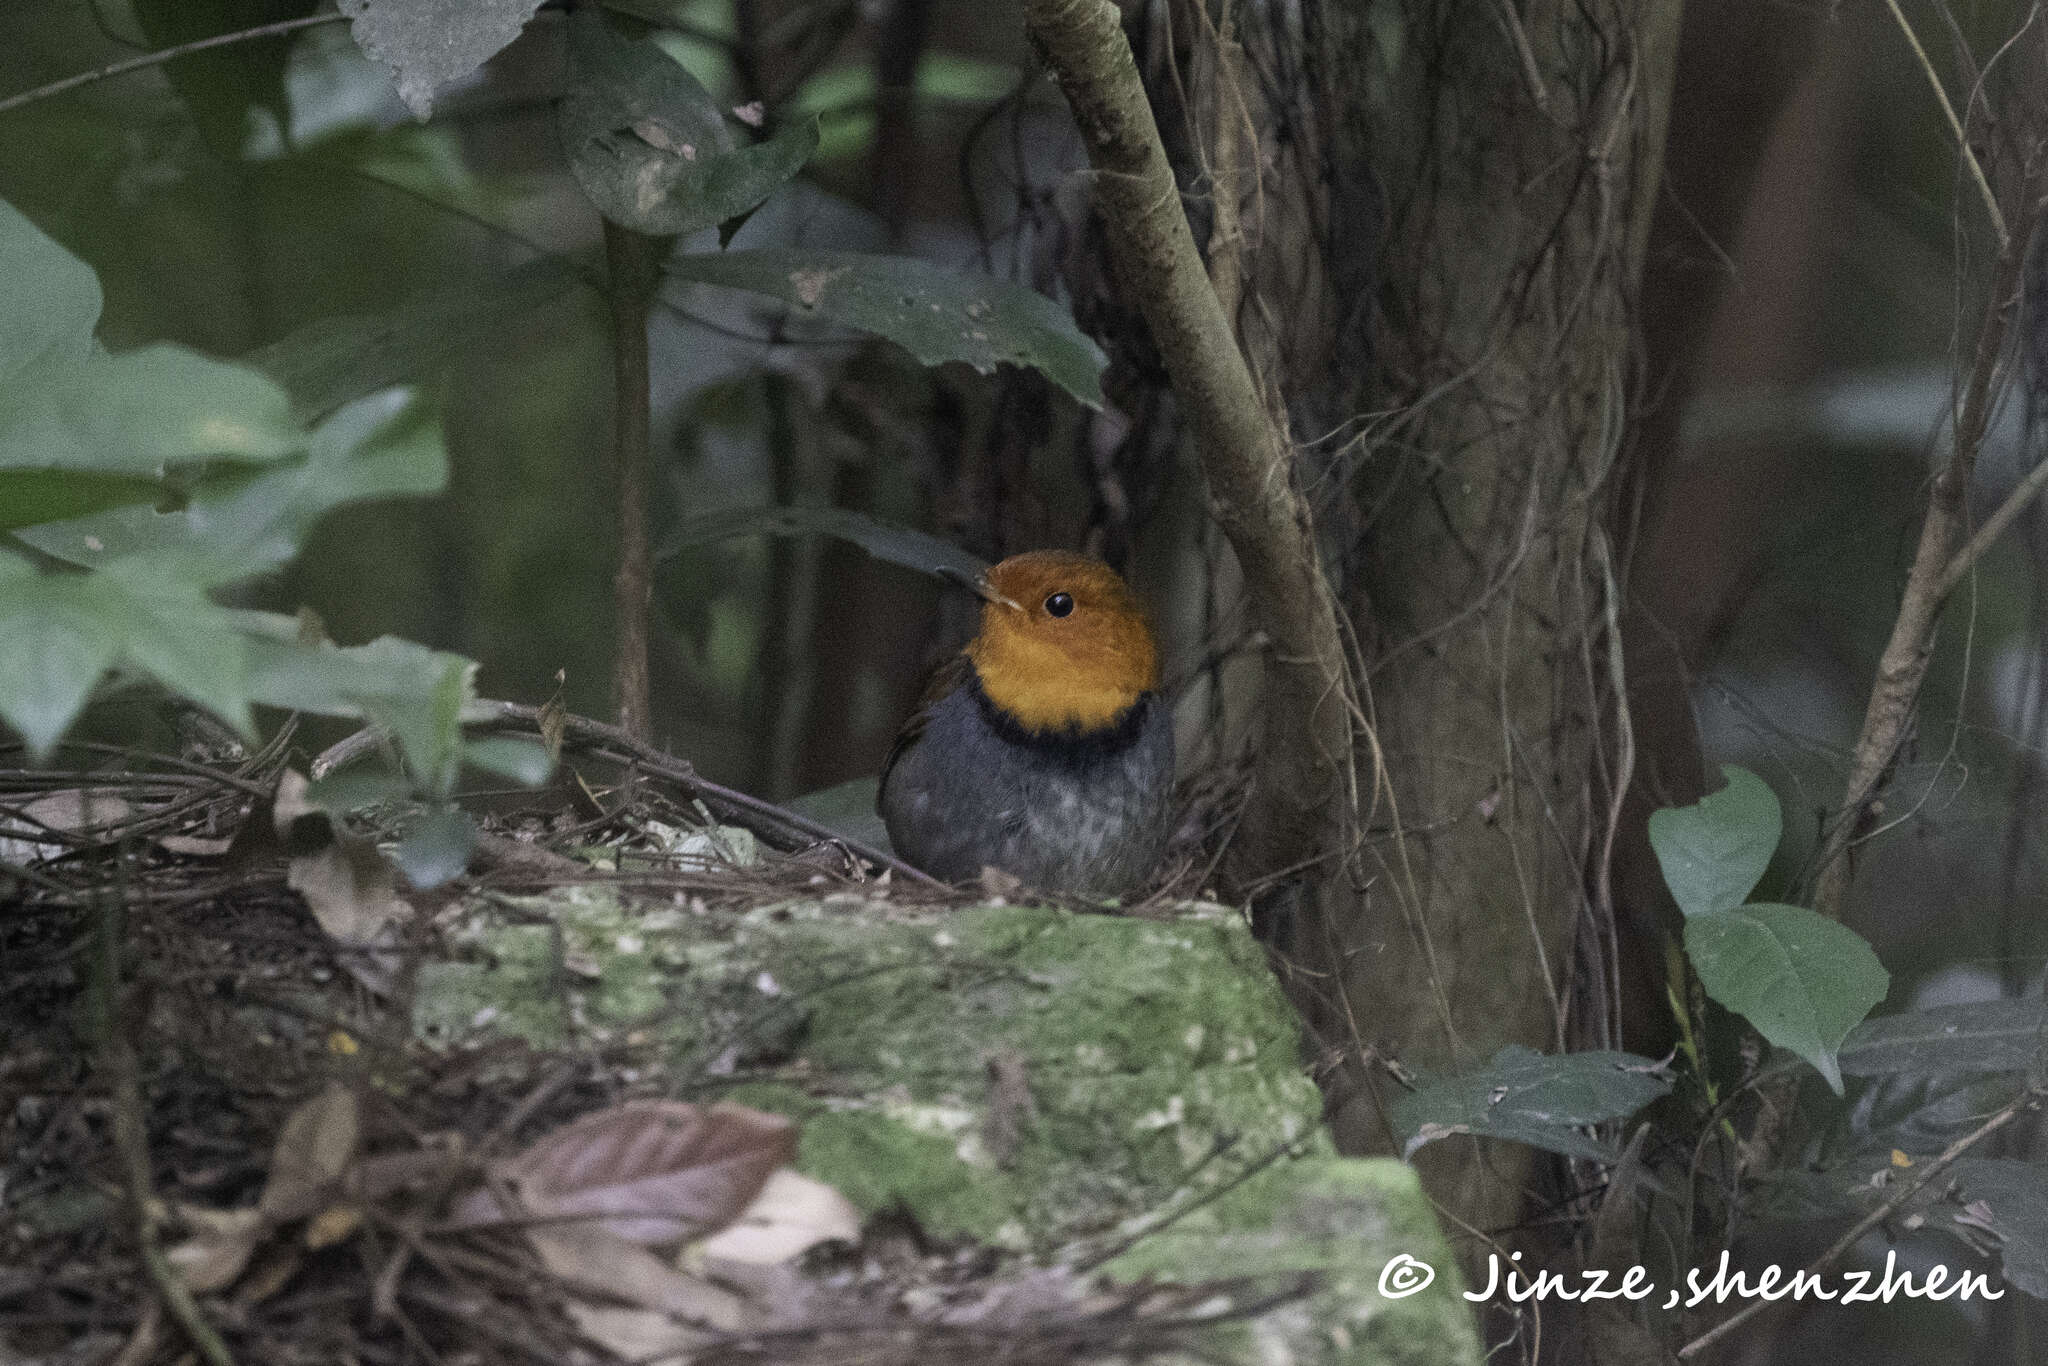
[1050, 685]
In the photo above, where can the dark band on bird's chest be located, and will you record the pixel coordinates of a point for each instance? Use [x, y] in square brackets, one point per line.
[1076, 746]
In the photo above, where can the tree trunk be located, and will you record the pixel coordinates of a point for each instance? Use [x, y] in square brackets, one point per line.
[1484, 174]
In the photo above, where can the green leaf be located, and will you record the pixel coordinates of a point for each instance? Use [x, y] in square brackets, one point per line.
[649, 145]
[64, 630]
[1714, 852]
[936, 315]
[1801, 979]
[1982, 1036]
[137, 412]
[414, 692]
[335, 360]
[243, 522]
[1544, 1101]
[431, 43]
[49, 299]
[56, 650]
[31, 496]
[221, 85]
[2015, 1194]
[884, 540]
[437, 849]
[525, 762]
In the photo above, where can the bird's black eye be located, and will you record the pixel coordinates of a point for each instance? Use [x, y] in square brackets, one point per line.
[1059, 604]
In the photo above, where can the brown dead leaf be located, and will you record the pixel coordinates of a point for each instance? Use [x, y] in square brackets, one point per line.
[194, 846]
[592, 1261]
[335, 1224]
[219, 1248]
[25, 831]
[791, 1215]
[654, 1171]
[314, 1148]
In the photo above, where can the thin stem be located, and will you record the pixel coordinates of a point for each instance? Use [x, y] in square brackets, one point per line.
[158, 58]
[1955, 126]
[631, 258]
[2026, 1100]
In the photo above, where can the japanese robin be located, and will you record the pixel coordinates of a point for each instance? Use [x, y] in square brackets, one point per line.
[1043, 749]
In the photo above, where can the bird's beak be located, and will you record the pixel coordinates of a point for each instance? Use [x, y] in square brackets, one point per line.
[978, 585]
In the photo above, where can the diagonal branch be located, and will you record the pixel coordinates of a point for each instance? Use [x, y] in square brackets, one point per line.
[158, 58]
[1247, 455]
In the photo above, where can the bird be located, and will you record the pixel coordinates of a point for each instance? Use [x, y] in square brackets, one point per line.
[1043, 749]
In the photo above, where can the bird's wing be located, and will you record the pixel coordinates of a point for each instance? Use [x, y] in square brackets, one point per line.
[949, 677]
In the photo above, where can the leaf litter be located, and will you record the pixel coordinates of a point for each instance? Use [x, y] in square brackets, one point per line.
[329, 1186]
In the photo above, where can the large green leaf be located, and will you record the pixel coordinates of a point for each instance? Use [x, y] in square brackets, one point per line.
[137, 412]
[937, 315]
[1981, 1036]
[1801, 979]
[415, 693]
[335, 360]
[431, 43]
[242, 523]
[884, 540]
[64, 630]
[49, 299]
[1545, 1101]
[1714, 852]
[31, 496]
[651, 147]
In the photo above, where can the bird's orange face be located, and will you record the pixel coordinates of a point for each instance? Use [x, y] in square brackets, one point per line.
[1063, 644]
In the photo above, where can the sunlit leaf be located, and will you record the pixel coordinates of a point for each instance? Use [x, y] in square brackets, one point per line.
[1545, 1101]
[1801, 979]
[1714, 852]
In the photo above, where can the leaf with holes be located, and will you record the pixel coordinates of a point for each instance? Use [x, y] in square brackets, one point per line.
[1714, 852]
[1800, 978]
[936, 315]
[1542, 1100]
[649, 145]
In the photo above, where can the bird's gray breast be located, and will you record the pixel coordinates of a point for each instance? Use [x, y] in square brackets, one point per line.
[1063, 813]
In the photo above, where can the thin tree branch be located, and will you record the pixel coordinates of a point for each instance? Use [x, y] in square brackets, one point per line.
[1247, 454]
[1923, 1174]
[158, 58]
[1955, 127]
[1994, 526]
[632, 259]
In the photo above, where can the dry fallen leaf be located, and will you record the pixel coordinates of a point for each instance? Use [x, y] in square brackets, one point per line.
[656, 1171]
[25, 831]
[314, 1148]
[791, 1215]
[219, 1248]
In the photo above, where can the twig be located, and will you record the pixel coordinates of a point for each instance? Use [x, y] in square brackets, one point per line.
[43, 92]
[632, 260]
[2026, 1100]
[655, 763]
[131, 1134]
[1955, 126]
[1994, 526]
